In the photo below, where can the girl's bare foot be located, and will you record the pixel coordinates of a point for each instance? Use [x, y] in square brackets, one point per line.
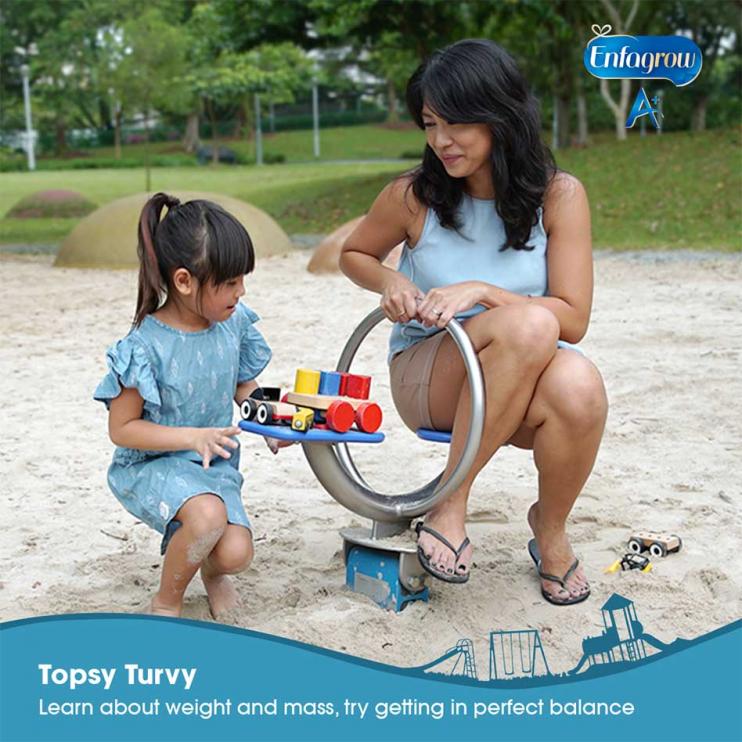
[158, 607]
[556, 557]
[222, 595]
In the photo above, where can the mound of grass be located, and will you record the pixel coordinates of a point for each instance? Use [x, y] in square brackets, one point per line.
[57, 203]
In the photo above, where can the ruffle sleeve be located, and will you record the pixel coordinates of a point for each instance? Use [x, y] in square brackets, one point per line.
[129, 366]
[255, 353]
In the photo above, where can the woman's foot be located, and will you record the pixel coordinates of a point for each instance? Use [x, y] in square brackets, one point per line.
[450, 525]
[159, 607]
[221, 593]
[556, 559]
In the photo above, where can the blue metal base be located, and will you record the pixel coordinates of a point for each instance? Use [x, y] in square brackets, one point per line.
[375, 573]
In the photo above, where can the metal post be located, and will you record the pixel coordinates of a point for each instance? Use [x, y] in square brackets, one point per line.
[660, 96]
[258, 132]
[315, 117]
[29, 129]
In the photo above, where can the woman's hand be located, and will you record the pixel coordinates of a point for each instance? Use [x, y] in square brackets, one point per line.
[210, 442]
[440, 305]
[400, 298]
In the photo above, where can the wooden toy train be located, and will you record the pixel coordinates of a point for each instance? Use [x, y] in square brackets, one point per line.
[321, 399]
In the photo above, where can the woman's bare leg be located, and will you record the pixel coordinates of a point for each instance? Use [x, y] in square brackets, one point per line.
[564, 426]
[203, 519]
[231, 555]
[514, 345]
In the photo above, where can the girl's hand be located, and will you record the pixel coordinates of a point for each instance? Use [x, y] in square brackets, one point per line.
[276, 443]
[210, 442]
[440, 305]
[400, 299]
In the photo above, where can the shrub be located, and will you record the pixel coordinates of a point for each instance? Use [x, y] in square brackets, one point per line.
[53, 204]
[412, 155]
[11, 161]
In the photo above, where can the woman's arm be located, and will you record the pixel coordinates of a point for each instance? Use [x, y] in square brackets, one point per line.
[127, 429]
[387, 224]
[569, 260]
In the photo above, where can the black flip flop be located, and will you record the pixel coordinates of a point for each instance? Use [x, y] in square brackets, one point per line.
[536, 556]
[425, 562]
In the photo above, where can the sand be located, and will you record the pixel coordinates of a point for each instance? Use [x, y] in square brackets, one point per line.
[665, 334]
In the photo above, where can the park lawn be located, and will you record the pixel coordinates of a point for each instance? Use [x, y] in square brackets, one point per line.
[370, 142]
[678, 190]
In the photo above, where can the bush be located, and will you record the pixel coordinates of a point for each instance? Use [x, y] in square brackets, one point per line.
[53, 204]
[273, 158]
[11, 162]
[409, 154]
[93, 163]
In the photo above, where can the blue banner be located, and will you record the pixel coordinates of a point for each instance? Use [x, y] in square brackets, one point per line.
[612, 57]
[116, 677]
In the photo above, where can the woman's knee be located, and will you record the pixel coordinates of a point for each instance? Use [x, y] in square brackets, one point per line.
[529, 331]
[204, 515]
[578, 397]
[234, 552]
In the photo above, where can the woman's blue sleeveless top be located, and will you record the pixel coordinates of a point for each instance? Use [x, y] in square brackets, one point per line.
[445, 256]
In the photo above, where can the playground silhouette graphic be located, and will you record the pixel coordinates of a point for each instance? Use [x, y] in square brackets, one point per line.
[518, 656]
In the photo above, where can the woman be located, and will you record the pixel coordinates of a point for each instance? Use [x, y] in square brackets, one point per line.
[477, 217]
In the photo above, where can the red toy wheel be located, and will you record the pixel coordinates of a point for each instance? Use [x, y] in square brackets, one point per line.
[368, 417]
[340, 416]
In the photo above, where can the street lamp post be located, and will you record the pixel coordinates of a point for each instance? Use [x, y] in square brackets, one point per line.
[315, 117]
[29, 129]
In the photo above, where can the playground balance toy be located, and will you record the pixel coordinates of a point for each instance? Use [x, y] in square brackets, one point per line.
[377, 565]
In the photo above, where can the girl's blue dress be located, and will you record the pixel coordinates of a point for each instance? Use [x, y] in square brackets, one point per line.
[186, 379]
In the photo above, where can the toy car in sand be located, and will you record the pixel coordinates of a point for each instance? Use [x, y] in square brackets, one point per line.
[657, 544]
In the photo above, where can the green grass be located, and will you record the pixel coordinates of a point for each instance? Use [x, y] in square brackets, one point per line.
[678, 190]
[342, 143]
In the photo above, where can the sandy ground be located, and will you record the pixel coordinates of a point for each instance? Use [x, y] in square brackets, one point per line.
[665, 333]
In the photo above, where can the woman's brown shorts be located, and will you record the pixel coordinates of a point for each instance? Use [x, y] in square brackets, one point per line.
[409, 376]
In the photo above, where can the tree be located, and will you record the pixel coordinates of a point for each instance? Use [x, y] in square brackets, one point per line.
[149, 74]
[709, 23]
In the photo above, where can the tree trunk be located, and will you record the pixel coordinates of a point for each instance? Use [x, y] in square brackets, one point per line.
[241, 121]
[620, 109]
[582, 128]
[214, 139]
[117, 133]
[562, 113]
[391, 93]
[698, 115]
[60, 138]
[191, 141]
[147, 169]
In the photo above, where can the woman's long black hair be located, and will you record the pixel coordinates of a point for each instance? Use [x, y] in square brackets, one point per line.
[199, 236]
[477, 81]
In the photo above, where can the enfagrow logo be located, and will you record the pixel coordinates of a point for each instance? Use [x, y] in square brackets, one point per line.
[622, 57]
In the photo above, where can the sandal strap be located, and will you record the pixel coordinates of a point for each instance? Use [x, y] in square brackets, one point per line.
[561, 580]
[420, 526]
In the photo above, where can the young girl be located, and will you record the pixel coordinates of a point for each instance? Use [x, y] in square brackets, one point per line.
[169, 392]
[497, 237]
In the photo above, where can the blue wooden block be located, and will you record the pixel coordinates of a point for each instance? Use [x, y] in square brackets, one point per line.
[329, 383]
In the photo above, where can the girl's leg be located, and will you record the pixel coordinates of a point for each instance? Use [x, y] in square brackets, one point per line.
[564, 425]
[203, 520]
[232, 554]
[514, 345]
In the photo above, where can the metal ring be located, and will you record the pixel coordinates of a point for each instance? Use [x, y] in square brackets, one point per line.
[334, 467]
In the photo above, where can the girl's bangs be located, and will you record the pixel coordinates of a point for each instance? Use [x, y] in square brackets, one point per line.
[230, 252]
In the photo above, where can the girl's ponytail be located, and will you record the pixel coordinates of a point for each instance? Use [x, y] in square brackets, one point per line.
[151, 283]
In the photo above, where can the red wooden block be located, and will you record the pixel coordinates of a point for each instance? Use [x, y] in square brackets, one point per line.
[340, 416]
[358, 387]
[343, 384]
[368, 417]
